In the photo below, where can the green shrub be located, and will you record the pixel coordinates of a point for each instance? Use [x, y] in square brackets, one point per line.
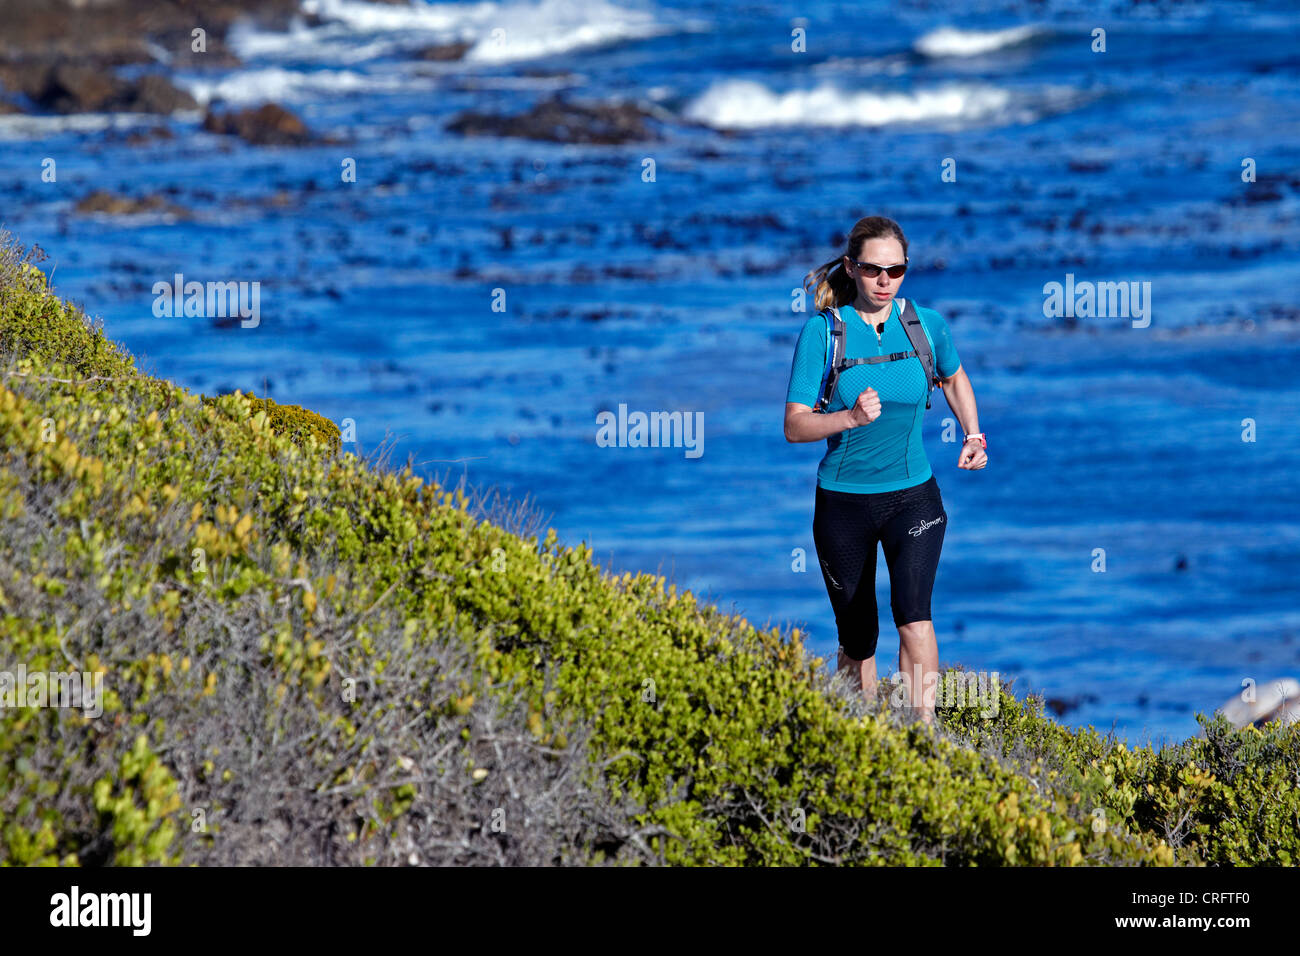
[35, 321]
[293, 420]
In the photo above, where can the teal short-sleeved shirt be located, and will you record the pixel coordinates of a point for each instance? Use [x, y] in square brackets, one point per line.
[887, 454]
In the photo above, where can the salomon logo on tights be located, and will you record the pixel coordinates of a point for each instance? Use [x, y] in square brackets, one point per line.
[830, 577]
[915, 532]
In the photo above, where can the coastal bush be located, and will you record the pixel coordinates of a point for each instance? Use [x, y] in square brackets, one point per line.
[292, 420]
[1229, 796]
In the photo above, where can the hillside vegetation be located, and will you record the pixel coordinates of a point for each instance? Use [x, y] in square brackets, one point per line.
[311, 658]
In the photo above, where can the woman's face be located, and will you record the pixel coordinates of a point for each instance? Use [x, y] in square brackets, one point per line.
[881, 252]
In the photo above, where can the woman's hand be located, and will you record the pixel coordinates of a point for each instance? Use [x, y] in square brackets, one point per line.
[972, 455]
[866, 409]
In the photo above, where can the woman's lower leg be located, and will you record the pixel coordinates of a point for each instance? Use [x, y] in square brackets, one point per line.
[863, 671]
[918, 661]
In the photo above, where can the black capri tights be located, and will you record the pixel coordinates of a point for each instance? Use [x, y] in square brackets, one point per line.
[909, 523]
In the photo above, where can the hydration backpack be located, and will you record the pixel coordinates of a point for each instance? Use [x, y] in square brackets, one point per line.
[917, 334]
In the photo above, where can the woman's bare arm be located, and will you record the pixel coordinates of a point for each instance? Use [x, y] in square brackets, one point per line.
[803, 424]
[961, 399]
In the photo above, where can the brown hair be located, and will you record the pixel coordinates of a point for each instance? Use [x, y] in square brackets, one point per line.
[832, 284]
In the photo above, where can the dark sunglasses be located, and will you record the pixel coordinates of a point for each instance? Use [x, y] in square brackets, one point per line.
[871, 270]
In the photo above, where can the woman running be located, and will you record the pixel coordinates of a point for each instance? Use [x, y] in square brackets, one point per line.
[874, 484]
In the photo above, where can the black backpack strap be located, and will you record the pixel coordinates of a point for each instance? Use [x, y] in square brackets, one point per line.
[834, 358]
[921, 346]
[877, 359]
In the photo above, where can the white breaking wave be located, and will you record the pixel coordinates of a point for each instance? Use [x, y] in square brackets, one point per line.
[391, 17]
[745, 104]
[497, 32]
[21, 126]
[329, 43]
[280, 85]
[949, 41]
[557, 26]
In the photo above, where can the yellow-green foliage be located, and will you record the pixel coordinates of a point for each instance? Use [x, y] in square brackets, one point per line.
[35, 321]
[723, 734]
[139, 803]
[1229, 795]
[294, 420]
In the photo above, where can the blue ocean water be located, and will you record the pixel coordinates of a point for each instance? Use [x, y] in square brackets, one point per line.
[661, 275]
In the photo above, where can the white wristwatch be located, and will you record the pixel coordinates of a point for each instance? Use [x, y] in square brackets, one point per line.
[980, 436]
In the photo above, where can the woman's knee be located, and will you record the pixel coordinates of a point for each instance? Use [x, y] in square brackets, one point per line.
[916, 632]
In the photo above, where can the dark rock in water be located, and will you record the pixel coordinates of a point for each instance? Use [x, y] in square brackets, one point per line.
[443, 51]
[545, 74]
[7, 108]
[51, 39]
[561, 121]
[1251, 196]
[268, 125]
[1266, 188]
[107, 33]
[142, 137]
[103, 201]
[62, 54]
[156, 94]
[1060, 706]
[67, 88]
[1063, 705]
[74, 89]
